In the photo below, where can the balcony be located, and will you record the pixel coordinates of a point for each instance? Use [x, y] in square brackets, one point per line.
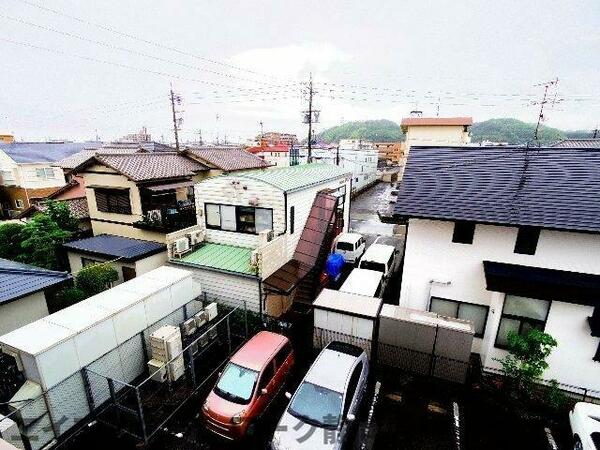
[168, 219]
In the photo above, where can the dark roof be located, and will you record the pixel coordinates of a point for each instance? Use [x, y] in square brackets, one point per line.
[76, 159]
[503, 185]
[148, 166]
[40, 152]
[577, 143]
[109, 246]
[19, 280]
[227, 158]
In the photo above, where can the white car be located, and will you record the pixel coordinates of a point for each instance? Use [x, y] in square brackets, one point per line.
[351, 246]
[585, 426]
[324, 407]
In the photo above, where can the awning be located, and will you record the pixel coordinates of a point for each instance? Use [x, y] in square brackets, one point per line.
[545, 284]
[166, 187]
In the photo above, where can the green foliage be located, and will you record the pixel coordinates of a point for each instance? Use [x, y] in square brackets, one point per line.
[526, 361]
[512, 131]
[68, 297]
[59, 212]
[95, 278]
[41, 241]
[10, 240]
[556, 398]
[371, 130]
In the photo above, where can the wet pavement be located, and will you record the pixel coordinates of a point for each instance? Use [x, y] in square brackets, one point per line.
[363, 212]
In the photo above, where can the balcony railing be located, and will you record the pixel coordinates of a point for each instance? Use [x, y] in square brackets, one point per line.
[168, 219]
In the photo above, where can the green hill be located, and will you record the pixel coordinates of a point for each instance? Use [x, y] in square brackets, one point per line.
[512, 131]
[370, 130]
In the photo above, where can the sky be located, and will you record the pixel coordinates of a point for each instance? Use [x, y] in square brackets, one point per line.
[76, 70]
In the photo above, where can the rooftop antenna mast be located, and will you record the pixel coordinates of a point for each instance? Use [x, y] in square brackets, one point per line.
[547, 85]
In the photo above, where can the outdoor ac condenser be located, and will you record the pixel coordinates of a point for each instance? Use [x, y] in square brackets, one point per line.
[176, 369]
[212, 311]
[189, 326]
[182, 246]
[201, 318]
[158, 370]
[195, 237]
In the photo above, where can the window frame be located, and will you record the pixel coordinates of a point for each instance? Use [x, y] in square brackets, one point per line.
[282, 355]
[113, 193]
[351, 390]
[521, 319]
[19, 203]
[527, 240]
[456, 233]
[264, 378]
[85, 261]
[459, 303]
[237, 218]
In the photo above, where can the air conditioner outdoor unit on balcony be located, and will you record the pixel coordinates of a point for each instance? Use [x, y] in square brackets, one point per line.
[189, 326]
[201, 318]
[158, 370]
[195, 238]
[203, 340]
[213, 333]
[181, 246]
[212, 311]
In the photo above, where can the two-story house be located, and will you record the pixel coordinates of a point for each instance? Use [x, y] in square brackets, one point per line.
[440, 131]
[508, 238]
[28, 172]
[262, 231]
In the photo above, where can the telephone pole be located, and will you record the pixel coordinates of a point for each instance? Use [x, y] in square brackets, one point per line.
[545, 100]
[311, 116]
[596, 132]
[175, 98]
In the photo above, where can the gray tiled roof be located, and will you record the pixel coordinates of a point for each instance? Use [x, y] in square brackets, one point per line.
[78, 158]
[577, 143]
[39, 152]
[504, 185]
[227, 158]
[151, 166]
[109, 246]
[18, 279]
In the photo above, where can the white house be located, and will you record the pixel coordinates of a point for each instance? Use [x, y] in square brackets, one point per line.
[508, 238]
[250, 223]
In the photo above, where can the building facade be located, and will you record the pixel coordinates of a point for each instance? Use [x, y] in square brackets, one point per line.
[500, 240]
[439, 131]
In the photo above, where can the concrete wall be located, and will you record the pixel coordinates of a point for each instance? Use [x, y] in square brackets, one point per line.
[431, 255]
[20, 312]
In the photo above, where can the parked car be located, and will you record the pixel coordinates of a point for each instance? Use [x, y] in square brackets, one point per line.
[323, 409]
[351, 246]
[247, 385]
[381, 258]
[364, 282]
[585, 426]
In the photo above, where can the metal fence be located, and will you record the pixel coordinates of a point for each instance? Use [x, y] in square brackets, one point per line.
[117, 388]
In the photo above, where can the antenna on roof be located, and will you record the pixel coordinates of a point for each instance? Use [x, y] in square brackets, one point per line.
[547, 85]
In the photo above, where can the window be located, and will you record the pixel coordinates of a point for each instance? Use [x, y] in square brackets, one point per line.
[460, 310]
[282, 355]
[236, 384]
[45, 173]
[352, 384]
[7, 175]
[527, 239]
[113, 200]
[267, 376]
[243, 219]
[19, 203]
[292, 219]
[463, 232]
[521, 315]
[89, 262]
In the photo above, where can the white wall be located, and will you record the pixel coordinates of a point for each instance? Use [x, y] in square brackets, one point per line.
[431, 255]
[20, 312]
[142, 266]
[29, 178]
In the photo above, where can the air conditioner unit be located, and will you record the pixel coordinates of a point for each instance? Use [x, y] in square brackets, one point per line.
[181, 246]
[158, 370]
[154, 215]
[201, 318]
[176, 369]
[16, 356]
[213, 333]
[165, 343]
[194, 348]
[195, 237]
[189, 326]
[203, 340]
[212, 311]
[9, 430]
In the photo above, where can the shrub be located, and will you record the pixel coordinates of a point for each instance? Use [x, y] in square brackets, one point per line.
[68, 297]
[96, 278]
[10, 240]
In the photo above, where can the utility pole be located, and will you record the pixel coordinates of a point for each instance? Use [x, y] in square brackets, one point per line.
[311, 116]
[218, 128]
[175, 98]
[200, 137]
[596, 132]
[545, 100]
[262, 133]
[337, 155]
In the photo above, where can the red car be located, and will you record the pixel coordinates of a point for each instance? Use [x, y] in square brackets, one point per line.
[249, 382]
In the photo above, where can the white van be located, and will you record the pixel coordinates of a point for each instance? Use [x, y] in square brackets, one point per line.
[381, 258]
[364, 282]
[351, 246]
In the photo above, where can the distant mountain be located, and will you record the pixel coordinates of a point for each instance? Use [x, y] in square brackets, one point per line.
[370, 130]
[509, 130]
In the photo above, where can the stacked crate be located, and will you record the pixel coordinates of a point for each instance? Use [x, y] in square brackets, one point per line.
[166, 345]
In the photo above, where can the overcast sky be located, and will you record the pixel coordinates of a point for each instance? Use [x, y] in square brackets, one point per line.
[81, 66]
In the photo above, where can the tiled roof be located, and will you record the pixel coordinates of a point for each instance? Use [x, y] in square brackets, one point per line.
[18, 279]
[151, 166]
[282, 148]
[577, 143]
[296, 177]
[40, 152]
[80, 157]
[222, 257]
[109, 246]
[77, 206]
[424, 121]
[503, 185]
[227, 158]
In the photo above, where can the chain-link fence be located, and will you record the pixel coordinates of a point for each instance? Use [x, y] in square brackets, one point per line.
[118, 389]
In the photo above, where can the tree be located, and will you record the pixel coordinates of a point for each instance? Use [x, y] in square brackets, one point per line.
[370, 130]
[10, 240]
[526, 360]
[60, 213]
[96, 278]
[41, 241]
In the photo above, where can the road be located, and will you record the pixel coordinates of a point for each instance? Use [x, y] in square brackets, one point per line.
[363, 212]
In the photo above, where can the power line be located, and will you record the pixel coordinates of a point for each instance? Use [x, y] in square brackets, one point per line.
[145, 41]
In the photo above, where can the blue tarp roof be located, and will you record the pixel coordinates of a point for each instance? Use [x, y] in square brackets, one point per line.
[36, 152]
[18, 280]
[109, 246]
